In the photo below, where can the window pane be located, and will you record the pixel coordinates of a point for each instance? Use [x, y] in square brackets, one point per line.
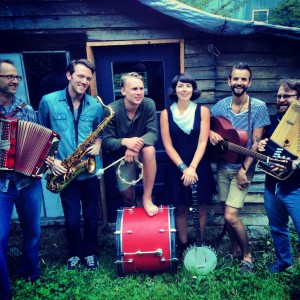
[152, 71]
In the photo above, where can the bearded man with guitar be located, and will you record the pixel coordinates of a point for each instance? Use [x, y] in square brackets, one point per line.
[250, 115]
[282, 196]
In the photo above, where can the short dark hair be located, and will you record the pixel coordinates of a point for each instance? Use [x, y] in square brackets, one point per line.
[240, 66]
[185, 78]
[82, 61]
[291, 84]
[8, 61]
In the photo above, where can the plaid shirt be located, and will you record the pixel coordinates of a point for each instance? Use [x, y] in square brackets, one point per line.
[25, 113]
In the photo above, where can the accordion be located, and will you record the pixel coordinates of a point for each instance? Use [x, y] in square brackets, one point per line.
[24, 146]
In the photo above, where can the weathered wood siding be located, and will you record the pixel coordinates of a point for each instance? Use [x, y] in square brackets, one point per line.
[68, 25]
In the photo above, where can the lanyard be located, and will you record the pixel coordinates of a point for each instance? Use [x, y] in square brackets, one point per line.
[75, 120]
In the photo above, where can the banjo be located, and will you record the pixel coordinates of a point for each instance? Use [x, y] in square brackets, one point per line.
[198, 259]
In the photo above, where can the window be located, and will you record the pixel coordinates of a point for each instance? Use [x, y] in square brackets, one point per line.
[260, 15]
[45, 73]
[152, 72]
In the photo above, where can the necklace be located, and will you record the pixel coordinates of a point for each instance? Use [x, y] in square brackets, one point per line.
[242, 105]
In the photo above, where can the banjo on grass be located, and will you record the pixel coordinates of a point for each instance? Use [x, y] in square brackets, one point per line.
[198, 259]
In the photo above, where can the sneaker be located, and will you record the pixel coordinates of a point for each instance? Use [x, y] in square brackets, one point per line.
[230, 258]
[277, 268]
[73, 262]
[247, 267]
[91, 262]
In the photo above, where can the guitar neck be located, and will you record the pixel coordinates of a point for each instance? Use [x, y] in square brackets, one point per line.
[244, 151]
[196, 215]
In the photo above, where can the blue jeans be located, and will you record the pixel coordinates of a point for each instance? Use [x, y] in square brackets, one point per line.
[279, 207]
[28, 205]
[83, 194]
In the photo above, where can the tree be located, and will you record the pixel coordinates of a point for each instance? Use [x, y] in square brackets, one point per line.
[286, 14]
[226, 9]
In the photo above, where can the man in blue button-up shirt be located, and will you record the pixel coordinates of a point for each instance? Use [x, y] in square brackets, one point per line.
[74, 115]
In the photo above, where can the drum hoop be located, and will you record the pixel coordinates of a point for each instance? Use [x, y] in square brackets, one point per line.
[133, 182]
[119, 242]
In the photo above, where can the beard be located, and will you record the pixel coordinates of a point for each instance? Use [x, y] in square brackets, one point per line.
[244, 89]
[282, 108]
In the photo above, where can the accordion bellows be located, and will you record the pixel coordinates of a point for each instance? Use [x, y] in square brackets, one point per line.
[24, 146]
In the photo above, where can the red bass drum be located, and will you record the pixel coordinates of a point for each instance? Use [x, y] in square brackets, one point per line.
[145, 244]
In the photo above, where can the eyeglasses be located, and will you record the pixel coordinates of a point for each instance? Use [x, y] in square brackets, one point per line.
[285, 96]
[12, 77]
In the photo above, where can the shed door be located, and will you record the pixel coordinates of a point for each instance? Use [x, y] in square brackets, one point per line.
[158, 63]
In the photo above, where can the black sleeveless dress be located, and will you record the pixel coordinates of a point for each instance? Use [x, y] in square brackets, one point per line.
[186, 145]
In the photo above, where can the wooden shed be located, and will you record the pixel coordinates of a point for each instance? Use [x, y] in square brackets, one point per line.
[157, 38]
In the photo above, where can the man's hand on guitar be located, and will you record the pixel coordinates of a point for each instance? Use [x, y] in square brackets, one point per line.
[281, 166]
[261, 145]
[214, 137]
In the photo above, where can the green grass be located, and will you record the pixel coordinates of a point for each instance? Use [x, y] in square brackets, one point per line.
[225, 282]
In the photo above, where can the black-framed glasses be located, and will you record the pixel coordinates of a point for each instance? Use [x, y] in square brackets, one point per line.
[12, 77]
[285, 96]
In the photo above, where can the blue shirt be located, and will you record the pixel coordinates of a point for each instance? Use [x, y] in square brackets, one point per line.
[259, 117]
[55, 113]
[25, 113]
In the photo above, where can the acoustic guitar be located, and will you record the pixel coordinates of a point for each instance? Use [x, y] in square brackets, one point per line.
[198, 259]
[232, 145]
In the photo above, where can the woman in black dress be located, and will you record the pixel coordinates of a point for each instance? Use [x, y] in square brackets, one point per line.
[185, 129]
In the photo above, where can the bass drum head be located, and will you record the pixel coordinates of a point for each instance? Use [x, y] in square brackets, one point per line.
[200, 260]
[145, 244]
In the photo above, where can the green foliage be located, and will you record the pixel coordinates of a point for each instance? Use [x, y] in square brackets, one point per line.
[225, 282]
[286, 14]
[226, 9]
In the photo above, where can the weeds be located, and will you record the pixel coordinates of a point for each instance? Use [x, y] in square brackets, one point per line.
[225, 282]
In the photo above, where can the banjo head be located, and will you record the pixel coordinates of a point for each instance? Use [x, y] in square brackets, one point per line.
[200, 260]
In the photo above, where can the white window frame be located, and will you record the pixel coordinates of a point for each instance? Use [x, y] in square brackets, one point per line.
[260, 10]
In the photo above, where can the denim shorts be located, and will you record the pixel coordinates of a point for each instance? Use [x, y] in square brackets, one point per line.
[229, 191]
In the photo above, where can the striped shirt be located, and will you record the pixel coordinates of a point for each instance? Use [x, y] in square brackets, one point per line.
[259, 117]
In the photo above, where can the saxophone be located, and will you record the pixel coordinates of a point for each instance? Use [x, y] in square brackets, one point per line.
[74, 163]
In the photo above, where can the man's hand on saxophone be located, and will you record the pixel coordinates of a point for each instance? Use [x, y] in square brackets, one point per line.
[95, 148]
[57, 168]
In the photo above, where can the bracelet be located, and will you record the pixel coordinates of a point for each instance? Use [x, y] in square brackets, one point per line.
[182, 166]
[243, 166]
[192, 167]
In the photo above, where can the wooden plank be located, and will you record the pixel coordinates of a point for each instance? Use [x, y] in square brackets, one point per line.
[81, 21]
[258, 59]
[244, 44]
[134, 34]
[217, 208]
[200, 73]
[206, 85]
[267, 97]
[268, 85]
[204, 60]
[63, 8]
[259, 72]
[134, 42]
